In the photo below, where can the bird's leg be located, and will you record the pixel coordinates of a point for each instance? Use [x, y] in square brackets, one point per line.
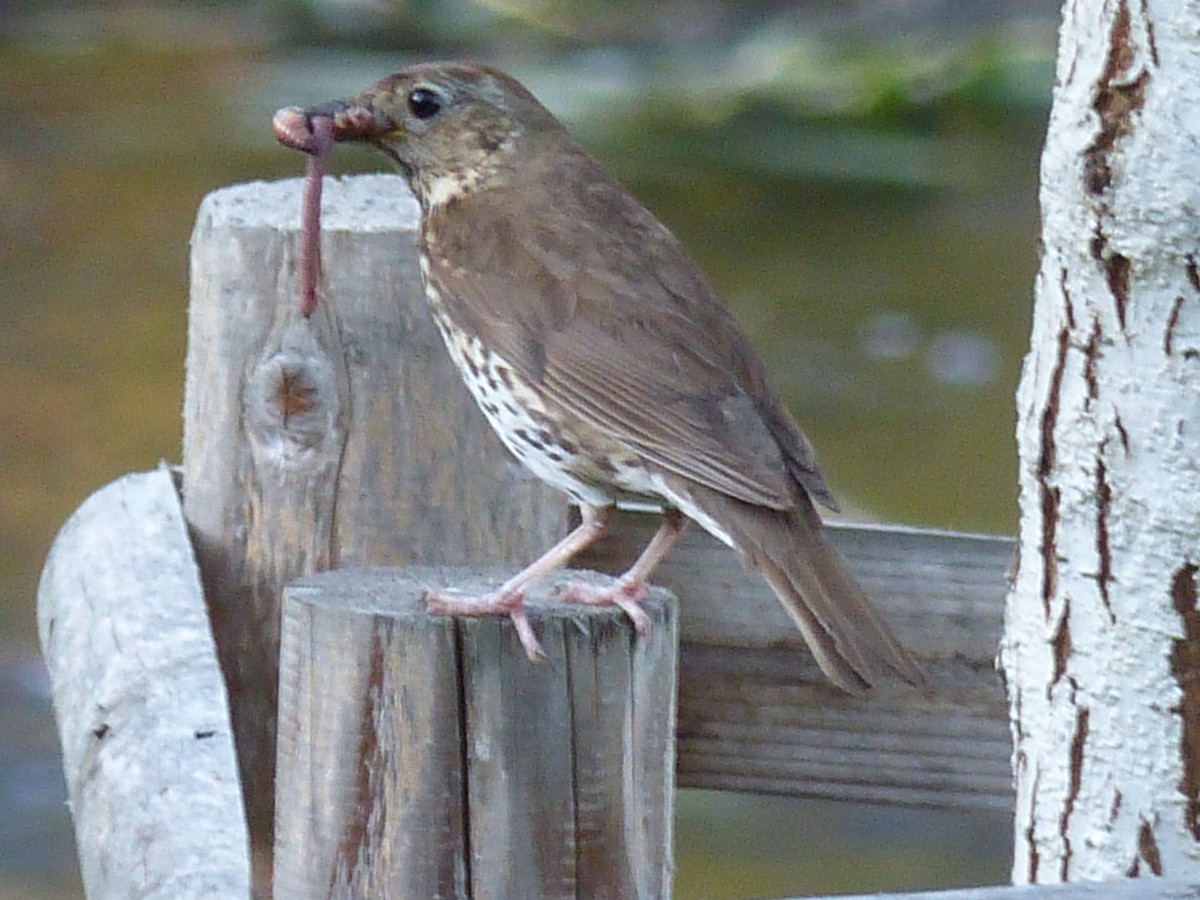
[630, 588]
[509, 598]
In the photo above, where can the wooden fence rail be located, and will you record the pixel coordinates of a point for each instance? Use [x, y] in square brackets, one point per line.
[347, 441]
[755, 714]
[148, 742]
[142, 716]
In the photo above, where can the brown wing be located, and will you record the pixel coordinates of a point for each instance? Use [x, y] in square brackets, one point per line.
[595, 303]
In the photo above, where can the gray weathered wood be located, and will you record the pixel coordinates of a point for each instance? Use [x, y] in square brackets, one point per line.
[755, 714]
[1130, 889]
[342, 440]
[347, 440]
[149, 762]
[421, 756]
[140, 703]
[276, 497]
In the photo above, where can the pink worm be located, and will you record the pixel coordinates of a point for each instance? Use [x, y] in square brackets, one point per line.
[310, 213]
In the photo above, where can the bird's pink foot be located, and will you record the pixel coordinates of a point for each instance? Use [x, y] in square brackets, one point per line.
[625, 595]
[511, 604]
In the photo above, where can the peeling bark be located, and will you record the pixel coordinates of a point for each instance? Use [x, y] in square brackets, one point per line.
[1104, 576]
[1116, 272]
[1046, 464]
[1034, 860]
[1185, 667]
[1172, 322]
[1115, 100]
[1078, 742]
[1061, 643]
[1148, 848]
[1092, 359]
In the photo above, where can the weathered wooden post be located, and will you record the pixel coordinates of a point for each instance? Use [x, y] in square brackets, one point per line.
[348, 440]
[423, 756]
[148, 755]
[345, 439]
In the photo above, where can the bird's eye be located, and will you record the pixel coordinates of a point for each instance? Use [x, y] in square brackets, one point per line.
[424, 103]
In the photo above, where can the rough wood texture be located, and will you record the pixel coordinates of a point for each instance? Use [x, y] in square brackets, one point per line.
[755, 714]
[1131, 889]
[421, 756]
[140, 703]
[346, 439]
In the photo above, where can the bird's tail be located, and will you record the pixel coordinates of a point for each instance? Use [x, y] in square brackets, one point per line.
[853, 646]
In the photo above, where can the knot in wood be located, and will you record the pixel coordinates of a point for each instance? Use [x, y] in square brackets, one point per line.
[291, 403]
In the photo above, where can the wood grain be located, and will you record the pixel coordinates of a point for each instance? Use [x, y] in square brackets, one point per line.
[147, 745]
[755, 713]
[424, 756]
[343, 439]
[1129, 889]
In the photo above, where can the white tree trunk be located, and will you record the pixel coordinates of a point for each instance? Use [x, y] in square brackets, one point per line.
[1102, 637]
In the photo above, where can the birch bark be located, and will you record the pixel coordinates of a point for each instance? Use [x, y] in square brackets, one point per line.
[1102, 636]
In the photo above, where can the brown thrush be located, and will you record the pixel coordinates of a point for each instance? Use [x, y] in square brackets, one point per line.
[601, 354]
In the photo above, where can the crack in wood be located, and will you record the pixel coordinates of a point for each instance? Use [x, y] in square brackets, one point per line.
[464, 754]
[357, 842]
[1030, 836]
[1069, 14]
[1061, 644]
[1148, 848]
[1117, 98]
[1078, 742]
[1151, 41]
[1116, 101]
[1068, 305]
[1097, 244]
[1091, 355]
[1172, 322]
[1185, 667]
[1116, 273]
[1122, 434]
[1103, 551]
[1193, 277]
[1051, 495]
[1050, 502]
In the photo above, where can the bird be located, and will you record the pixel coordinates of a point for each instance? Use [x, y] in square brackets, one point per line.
[602, 356]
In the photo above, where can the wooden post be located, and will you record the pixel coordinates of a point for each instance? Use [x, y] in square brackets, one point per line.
[422, 756]
[147, 748]
[346, 439]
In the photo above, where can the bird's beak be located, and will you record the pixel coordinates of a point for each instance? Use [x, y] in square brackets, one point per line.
[350, 120]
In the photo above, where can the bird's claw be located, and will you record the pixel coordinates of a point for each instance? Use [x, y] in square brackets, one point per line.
[625, 595]
[511, 604]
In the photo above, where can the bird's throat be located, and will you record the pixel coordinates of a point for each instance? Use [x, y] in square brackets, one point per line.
[449, 188]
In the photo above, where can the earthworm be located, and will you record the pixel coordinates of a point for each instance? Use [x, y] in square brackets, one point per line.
[314, 135]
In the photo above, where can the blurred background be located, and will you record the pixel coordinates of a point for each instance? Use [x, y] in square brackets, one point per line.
[858, 176]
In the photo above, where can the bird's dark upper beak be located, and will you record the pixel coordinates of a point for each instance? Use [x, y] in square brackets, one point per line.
[349, 120]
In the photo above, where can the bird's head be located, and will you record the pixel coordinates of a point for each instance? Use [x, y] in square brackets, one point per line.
[449, 127]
